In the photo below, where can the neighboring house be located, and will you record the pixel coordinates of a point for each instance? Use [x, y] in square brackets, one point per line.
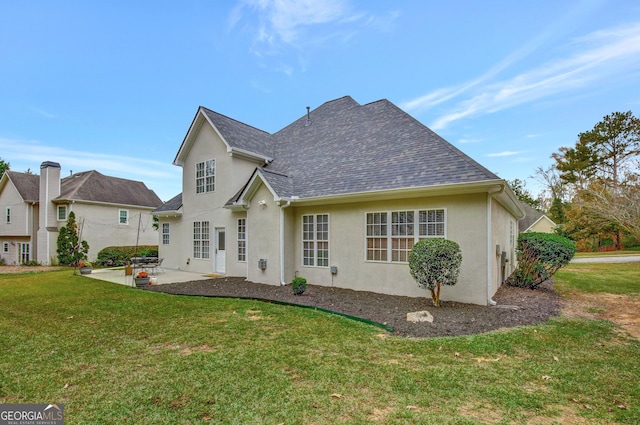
[535, 221]
[109, 211]
[339, 197]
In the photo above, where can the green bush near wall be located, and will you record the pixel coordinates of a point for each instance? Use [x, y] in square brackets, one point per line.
[120, 255]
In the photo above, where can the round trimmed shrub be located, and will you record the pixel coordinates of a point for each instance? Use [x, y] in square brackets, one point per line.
[433, 263]
[299, 285]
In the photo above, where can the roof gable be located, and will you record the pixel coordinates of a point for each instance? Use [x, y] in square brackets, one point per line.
[93, 186]
[531, 218]
[27, 185]
[239, 138]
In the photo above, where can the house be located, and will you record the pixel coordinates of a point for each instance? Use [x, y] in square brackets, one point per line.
[339, 197]
[535, 221]
[109, 211]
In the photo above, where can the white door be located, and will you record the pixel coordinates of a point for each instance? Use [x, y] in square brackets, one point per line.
[220, 251]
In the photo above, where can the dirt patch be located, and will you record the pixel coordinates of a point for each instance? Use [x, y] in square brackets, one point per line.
[28, 269]
[623, 310]
[515, 307]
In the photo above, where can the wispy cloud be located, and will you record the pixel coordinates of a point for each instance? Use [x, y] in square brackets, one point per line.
[601, 55]
[505, 153]
[25, 154]
[43, 113]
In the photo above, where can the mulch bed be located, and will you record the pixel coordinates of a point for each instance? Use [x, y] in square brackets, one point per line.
[515, 306]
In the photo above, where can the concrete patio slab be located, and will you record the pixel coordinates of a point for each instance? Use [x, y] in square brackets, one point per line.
[116, 275]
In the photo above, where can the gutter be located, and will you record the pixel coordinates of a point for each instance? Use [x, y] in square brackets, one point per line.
[282, 207]
[490, 195]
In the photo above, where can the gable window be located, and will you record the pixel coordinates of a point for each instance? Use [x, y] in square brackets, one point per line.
[123, 217]
[62, 212]
[165, 233]
[206, 176]
[315, 240]
[201, 239]
[242, 239]
[391, 235]
[8, 215]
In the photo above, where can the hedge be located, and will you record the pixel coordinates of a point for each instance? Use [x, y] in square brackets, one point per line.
[120, 255]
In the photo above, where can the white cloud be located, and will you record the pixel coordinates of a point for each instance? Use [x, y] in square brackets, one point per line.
[505, 153]
[597, 57]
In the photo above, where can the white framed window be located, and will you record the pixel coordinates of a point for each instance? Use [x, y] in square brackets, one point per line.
[5, 247]
[24, 253]
[165, 233]
[201, 239]
[242, 239]
[206, 176]
[123, 217]
[315, 240]
[62, 212]
[390, 235]
[8, 215]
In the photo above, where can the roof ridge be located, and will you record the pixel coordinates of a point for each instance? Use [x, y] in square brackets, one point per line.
[235, 120]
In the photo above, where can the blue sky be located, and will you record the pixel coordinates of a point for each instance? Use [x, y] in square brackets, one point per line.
[113, 86]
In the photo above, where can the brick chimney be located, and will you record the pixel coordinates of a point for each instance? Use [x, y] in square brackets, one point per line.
[48, 220]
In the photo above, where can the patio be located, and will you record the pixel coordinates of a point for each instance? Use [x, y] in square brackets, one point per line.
[116, 275]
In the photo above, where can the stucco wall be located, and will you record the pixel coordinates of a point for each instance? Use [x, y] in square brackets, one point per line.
[504, 232]
[466, 225]
[264, 238]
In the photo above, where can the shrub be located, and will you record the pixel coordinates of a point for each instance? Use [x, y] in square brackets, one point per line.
[120, 255]
[70, 249]
[299, 285]
[540, 255]
[31, 263]
[433, 263]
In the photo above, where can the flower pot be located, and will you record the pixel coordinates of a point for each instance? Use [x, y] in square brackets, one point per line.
[85, 270]
[141, 282]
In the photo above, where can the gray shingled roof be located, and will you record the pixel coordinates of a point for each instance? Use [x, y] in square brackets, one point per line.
[96, 187]
[531, 216]
[28, 185]
[353, 148]
[173, 204]
[240, 135]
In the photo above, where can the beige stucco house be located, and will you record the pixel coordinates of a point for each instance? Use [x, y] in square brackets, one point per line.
[535, 221]
[109, 211]
[339, 197]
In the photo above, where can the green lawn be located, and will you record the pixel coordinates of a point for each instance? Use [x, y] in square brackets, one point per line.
[113, 355]
[620, 278]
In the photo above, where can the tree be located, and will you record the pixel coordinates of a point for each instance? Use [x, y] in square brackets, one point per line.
[433, 263]
[519, 187]
[4, 166]
[71, 251]
[558, 211]
[540, 255]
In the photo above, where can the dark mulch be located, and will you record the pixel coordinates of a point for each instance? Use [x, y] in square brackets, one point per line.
[515, 307]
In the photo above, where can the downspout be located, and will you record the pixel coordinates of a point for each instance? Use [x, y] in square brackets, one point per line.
[282, 207]
[490, 248]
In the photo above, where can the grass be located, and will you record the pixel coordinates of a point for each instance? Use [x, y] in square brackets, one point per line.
[113, 355]
[621, 278]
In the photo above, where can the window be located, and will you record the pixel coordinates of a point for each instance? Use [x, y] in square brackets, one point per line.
[62, 212]
[24, 253]
[315, 240]
[393, 241]
[201, 239]
[206, 176]
[242, 239]
[5, 247]
[165, 233]
[8, 215]
[123, 217]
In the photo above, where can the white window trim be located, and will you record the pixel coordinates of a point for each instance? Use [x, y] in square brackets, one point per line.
[120, 216]
[66, 213]
[166, 226]
[241, 240]
[389, 236]
[205, 176]
[315, 241]
[201, 254]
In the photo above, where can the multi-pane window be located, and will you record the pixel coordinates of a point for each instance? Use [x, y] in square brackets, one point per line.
[201, 239]
[24, 253]
[5, 247]
[395, 244]
[206, 176]
[165, 233]
[242, 239]
[377, 236]
[123, 217]
[315, 240]
[8, 215]
[62, 212]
